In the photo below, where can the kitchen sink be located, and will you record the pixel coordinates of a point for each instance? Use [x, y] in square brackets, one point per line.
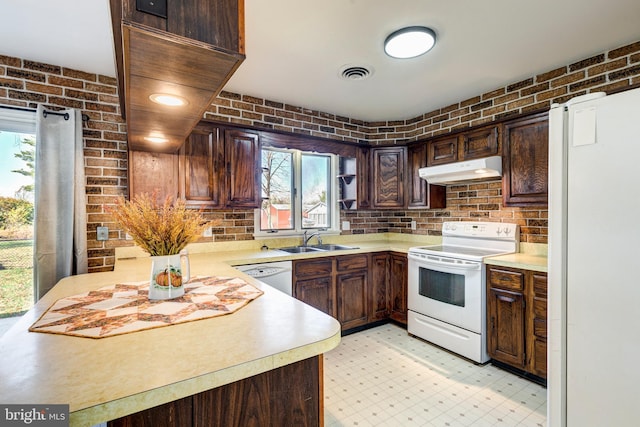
[332, 247]
[315, 248]
[300, 249]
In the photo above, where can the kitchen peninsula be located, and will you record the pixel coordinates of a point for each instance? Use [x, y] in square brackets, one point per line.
[218, 368]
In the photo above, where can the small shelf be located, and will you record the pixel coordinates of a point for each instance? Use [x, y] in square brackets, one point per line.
[347, 178]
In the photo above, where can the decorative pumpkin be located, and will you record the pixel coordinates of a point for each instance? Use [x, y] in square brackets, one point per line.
[170, 276]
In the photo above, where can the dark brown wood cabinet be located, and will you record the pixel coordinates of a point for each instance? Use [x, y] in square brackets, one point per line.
[420, 194]
[216, 168]
[379, 290]
[291, 395]
[398, 287]
[352, 286]
[537, 324]
[466, 145]
[242, 167]
[200, 163]
[525, 158]
[363, 165]
[516, 318]
[189, 50]
[313, 283]
[388, 167]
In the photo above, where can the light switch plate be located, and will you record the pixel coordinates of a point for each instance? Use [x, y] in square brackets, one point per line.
[414, 225]
[208, 232]
[346, 225]
[102, 233]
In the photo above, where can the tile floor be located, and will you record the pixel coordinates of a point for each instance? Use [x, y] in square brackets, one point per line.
[384, 377]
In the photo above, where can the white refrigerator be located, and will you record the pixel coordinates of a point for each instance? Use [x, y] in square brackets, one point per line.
[594, 261]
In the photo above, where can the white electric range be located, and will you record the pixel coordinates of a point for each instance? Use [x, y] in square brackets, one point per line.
[447, 285]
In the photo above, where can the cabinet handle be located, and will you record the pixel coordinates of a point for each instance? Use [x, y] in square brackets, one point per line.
[493, 323]
[506, 299]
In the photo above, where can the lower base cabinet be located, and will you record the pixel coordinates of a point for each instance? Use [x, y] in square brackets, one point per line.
[287, 396]
[517, 318]
[355, 289]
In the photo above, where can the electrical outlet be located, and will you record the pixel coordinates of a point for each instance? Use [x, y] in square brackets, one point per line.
[346, 225]
[208, 232]
[414, 225]
[127, 236]
[102, 233]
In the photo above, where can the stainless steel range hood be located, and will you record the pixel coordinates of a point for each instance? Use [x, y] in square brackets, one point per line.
[486, 167]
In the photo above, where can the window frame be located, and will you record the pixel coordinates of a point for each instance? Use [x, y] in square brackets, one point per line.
[333, 206]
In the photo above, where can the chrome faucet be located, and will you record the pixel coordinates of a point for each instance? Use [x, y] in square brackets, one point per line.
[306, 239]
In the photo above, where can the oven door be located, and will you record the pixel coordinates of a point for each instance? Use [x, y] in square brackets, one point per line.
[447, 289]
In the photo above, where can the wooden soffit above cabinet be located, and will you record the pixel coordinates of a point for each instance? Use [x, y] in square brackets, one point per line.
[152, 60]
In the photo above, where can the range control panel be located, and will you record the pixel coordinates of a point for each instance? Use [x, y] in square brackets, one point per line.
[490, 230]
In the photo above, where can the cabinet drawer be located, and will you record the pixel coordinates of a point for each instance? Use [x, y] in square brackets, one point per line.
[309, 268]
[352, 262]
[506, 279]
[540, 285]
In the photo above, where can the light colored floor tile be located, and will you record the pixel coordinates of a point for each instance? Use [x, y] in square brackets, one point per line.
[384, 377]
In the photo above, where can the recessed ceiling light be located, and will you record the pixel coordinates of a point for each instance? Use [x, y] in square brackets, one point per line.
[409, 42]
[166, 99]
[156, 138]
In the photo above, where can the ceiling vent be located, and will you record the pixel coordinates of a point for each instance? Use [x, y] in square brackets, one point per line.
[350, 72]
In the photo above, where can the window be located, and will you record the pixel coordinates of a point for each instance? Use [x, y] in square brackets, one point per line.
[17, 163]
[298, 193]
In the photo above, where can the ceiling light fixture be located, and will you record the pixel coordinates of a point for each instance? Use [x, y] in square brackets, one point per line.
[169, 100]
[409, 42]
[156, 138]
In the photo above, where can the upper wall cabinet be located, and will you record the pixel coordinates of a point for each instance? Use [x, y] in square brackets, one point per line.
[216, 168]
[525, 155]
[473, 144]
[185, 48]
[388, 165]
[421, 194]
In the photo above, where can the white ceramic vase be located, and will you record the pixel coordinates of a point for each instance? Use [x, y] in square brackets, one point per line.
[167, 276]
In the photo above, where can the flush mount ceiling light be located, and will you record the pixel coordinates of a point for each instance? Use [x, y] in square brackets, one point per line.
[169, 100]
[409, 42]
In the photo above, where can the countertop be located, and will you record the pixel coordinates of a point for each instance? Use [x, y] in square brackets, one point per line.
[103, 379]
[531, 257]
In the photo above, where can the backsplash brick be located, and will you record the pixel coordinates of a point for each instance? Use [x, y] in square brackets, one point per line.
[26, 83]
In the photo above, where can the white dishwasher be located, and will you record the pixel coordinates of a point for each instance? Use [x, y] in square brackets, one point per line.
[276, 274]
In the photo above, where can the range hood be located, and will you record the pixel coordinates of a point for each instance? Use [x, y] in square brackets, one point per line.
[486, 167]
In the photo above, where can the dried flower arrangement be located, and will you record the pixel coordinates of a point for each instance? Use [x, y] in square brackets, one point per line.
[159, 229]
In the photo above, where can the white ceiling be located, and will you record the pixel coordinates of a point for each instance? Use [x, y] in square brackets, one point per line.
[296, 49]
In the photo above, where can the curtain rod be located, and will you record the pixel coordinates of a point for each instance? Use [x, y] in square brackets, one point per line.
[85, 118]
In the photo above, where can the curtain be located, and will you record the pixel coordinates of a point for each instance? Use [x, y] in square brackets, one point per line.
[60, 200]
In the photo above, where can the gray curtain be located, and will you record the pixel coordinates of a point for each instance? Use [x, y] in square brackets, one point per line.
[60, 200]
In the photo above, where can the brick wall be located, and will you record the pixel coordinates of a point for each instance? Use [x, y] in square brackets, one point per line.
[26, 83]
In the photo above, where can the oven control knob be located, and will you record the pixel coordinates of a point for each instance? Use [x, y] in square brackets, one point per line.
[507, 230]
[499, 231]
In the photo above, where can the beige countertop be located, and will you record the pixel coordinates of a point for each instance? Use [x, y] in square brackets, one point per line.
[103, 379]
[531, 257]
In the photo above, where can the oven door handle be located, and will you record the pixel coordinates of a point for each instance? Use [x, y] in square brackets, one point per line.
[459, 266]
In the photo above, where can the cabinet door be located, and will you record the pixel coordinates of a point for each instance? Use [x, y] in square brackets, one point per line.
[151, 172]
[388, 176]
[479, 143]
[363, 167]
[421, 194]
[525, 161]
[317, 293]
[378, 287]
[398, 287]
[351, 292]
[537, 324]
[201, 158]
[506, 326]
[242, 157]
[443, 150]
